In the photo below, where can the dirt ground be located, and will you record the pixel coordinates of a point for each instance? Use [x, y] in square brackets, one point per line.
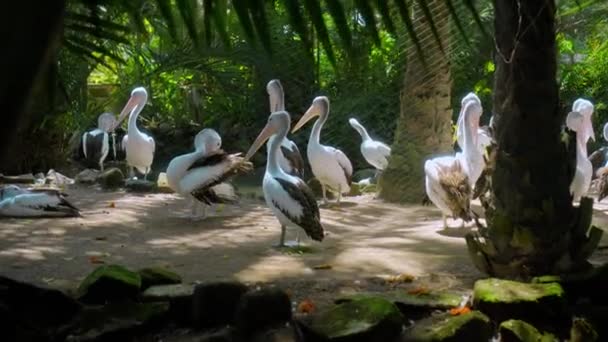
[368, 240]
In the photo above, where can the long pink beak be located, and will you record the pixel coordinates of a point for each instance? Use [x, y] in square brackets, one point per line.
[588, 129]
[264, 135]
[131, 104]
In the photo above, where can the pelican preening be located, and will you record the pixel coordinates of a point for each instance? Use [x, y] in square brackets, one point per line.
[449, 179]
[582, 178]
[200, 175]
[290, 158]
[375, 152]
[329, 165]
[289, 198]
[19, 202]
[139, 146]
[96, 143]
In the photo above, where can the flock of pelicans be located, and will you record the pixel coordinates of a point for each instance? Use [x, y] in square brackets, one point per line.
[202, 175]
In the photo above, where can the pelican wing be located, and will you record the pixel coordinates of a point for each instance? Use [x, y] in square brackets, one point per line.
[345, 164]
[38, 204]
[384, 149]
[292, 154]
[310, 219]
[125, 141]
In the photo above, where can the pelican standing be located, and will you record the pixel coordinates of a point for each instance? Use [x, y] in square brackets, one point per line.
[95, 143]
[289, 198]
[585, 107]
[290, 158]
[329, 165]
[139, 147]
[200, 175]
[376, 153]
[448, 181]
[582, 177]
[19, 202]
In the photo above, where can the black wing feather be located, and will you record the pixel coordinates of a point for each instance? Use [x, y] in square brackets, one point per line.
[310, 220]
[295, 159]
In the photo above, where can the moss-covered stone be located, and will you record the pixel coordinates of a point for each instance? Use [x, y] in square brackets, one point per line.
[108, 283]
[364, 319]
[111, 178]
[582, 331]
[413, 304]
[473, 326]
[160, 293]
[355, 190]
[140, 185]
[588, 284]
[538, 303]
[519, 331]
[158, 276]
[369, 188]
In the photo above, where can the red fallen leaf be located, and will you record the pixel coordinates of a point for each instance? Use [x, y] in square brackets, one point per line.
[419, 291]
[94, 259]
[112, 205]
[306, 306]
[460, 311]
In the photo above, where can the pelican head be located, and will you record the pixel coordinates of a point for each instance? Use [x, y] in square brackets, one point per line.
[275, 92]
[470, 97]
[472, 114]
[207, 140]
[139, 97]
[106, 122]
[319, 107]
[278, 124]
[606, 131]
[585, 107]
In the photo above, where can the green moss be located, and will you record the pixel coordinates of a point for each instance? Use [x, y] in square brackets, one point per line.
[520, 331]
[109, 282]
[158, 276]
[356, 317]
[494, 290]
[474, 326]
[434, 300]
[546, 279]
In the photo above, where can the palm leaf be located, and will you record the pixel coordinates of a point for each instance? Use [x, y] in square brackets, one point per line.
[260, 22]
[426, 11]
[97, 32]
[297, 21]
[385, 15]
[187, 8]
[240, 7]
[471, 6]
[86, 53]
[85, 44]
[367, 12]
[450, 6]
[409, 25]
[336, 10]
[316, 15]
[164, 6]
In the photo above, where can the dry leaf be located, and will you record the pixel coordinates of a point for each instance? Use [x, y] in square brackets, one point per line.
[460, 311]
[306, 306]
[101, 238]
[401, 278]
[322, 267]
[419, 291]
[112, 205]
[94, 259]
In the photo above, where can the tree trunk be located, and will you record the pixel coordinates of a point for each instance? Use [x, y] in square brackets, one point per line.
[533, 227]
[424, 124]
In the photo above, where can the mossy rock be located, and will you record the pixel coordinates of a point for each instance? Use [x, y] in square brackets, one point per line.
[473, 326]
[539, 303]
[519, 331]
[413, 304]
[369, 189]
[588, 284]
[355, 190]
[107, 283]
[158, 276]
[111, 178]
[159, 293]
[140, 185]
[364, 319]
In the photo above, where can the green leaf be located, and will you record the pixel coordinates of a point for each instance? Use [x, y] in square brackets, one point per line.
[409, 25]
[164, 6]
[336, 10]
[385, 15]
[471, 6]
[187, 8]
[297, 21]
[370, 21]
[450, 6]
[316, 15]
[260, 22]
[240, 7]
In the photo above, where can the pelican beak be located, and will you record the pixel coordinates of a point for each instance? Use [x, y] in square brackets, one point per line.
[475, 131]
[589, 128]
[131, 104]
[264, 135]
[310, 113]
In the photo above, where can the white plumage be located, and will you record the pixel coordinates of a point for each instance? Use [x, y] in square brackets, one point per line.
[96, 143]
[375, 152]
[584, 169]
[18, 202]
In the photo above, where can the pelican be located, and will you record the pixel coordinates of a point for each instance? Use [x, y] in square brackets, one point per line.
[19, 202]
[329, 165]
[448, 179]
[139, 146]
[289, 198]
[485, 138]
[199, 175]
[95, 143]
[290, 158]
[582, 178]
[376, 153]
[585, 107]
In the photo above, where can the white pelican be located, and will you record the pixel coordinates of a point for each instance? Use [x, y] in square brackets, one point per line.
[19, 202]
[584, 170]
[290, 158]
[375, 152]
[448, 179]
[585, 107]
[329, 165]
[139, 146]
[199, 175]
[96, 144]
[289, 198]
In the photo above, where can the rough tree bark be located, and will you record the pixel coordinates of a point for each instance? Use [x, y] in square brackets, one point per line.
[532, 226]
[424, 124]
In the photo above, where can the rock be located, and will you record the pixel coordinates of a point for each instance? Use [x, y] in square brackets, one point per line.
[158, 276]
[116, 321]
[225, 334]
[20, 179]
[519, 331]
[215, 304]
[582, 331]
[160, 293]
[504, 299]
[140, 185]
[260, 310]
[365, 319]
[315, 186]
[30, 313]
[111, 178]
[57, 179]
[109, 283]
[589, 284]
[162, 184]
[413, 305]
[371, 188]
[362, 174]
[355, 190]
[87, 176]
[473, 326]
[286, 333]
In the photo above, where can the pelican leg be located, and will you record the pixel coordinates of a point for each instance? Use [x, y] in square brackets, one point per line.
[131, 172]
[445, 221]
[324, 194]
[282, 240]
[339, 194]
[101, 165]
[146, 174]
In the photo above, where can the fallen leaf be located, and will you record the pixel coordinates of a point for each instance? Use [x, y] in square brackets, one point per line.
[401, 278]
[419, 291]
[460, 311]
[112, 205]
[322, 267]
[306, 306]
[101, 238]
[94, 259]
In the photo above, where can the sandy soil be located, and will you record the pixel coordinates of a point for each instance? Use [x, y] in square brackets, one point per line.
[367, 239]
